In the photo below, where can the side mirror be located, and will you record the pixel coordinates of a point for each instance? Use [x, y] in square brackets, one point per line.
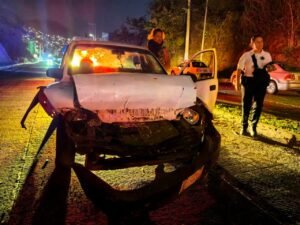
[56, 73]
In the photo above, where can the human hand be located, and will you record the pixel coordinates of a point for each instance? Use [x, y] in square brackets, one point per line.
[237, 85]
[237, 81]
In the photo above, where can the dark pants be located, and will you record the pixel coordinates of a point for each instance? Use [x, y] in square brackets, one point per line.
[252, 93]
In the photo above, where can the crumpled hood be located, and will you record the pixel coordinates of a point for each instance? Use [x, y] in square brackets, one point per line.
[139, 96]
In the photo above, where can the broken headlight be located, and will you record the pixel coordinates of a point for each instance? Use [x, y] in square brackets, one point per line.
[191, 116]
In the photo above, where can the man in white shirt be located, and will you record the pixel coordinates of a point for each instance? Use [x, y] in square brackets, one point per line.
[252, 90]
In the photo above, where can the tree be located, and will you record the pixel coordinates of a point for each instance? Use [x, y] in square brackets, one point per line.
[221, 32]
[289, 20]
[278, 21]
[131, 32]
[230, 24]
[170, 16]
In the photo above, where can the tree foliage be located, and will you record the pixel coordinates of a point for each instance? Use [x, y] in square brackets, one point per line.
[170, 16]
[131, 32]
[230, 24]
[220, 29]
[289, 20]
[279, 22]
[265, 17]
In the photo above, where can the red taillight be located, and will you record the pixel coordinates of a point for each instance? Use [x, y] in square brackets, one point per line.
[289, 76]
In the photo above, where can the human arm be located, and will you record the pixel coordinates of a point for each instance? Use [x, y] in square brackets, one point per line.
[237, 84]
[239, 71]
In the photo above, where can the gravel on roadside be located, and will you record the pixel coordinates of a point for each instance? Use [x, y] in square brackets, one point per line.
[269, 164]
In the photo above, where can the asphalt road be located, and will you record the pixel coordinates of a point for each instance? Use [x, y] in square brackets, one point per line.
[27, 70]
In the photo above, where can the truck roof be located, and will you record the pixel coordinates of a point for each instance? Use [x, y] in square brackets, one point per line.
[107, 43]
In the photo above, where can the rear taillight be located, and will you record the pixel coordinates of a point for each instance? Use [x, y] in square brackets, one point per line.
[289, 76]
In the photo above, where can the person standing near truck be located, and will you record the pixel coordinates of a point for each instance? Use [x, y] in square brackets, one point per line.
[156, 46]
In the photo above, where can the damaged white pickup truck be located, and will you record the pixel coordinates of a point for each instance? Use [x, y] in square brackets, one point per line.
[116, 105]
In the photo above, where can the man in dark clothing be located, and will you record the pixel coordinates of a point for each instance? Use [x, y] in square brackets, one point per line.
[156, 46]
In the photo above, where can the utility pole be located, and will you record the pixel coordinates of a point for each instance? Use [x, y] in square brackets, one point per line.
[204, 25]
[187, 34]
[92, 30]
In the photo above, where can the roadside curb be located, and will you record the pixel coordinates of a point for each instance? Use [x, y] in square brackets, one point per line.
[229, 92]
[228, 102]
[13, 65]
[224, 80]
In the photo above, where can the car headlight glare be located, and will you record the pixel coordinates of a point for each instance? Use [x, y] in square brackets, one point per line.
[190, 116]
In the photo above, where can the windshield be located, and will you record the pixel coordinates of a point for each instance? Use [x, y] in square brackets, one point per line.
[198, 64]
[100, 59]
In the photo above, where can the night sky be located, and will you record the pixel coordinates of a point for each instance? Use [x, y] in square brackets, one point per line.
[71, 17]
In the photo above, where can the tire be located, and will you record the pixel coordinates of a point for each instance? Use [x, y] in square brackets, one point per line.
[272, 88]
[194, 77]
[65, 150]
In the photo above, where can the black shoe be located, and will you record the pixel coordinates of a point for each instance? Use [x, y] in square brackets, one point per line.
[253, 132]
[243, 131]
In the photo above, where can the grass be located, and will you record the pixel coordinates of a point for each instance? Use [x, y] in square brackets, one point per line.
[230, 111]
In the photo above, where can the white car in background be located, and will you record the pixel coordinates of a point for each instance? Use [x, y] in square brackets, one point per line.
[281, 80]
[116, 105]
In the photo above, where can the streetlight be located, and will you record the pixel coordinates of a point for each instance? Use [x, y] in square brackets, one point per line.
[187, 34]
[204, 26]
[92, 36]
[92, 30]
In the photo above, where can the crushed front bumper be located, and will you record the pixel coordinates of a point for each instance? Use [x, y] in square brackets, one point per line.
[138, 144]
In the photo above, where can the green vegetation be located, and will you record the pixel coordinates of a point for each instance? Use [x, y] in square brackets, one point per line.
[234, 112]
[230, 24]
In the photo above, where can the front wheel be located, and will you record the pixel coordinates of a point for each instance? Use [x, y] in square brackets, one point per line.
[272, 88]
[65, 150]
